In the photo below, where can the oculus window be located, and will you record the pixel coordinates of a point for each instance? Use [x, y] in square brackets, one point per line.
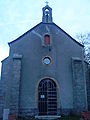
[47, 60]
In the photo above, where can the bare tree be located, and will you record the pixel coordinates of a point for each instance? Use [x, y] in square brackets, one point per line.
[84, 39]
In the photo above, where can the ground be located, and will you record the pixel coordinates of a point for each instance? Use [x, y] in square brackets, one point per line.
[62, 118]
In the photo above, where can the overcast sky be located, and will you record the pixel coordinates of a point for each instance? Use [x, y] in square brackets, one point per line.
[18, 16]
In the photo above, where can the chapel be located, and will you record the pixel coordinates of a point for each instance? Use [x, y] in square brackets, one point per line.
[45, 73]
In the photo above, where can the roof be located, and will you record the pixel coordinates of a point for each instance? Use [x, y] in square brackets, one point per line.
[5, 59]
[69, 36]
[24, 34]
[45, 23]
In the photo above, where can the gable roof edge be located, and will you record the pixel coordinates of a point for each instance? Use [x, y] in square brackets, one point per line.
[69, 36]
[4, 59]
[9, 43]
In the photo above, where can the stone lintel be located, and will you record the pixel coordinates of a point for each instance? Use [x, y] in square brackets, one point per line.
[17, 56]
[76, 59]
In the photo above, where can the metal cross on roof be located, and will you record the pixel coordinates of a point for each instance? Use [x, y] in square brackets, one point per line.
[46, 2]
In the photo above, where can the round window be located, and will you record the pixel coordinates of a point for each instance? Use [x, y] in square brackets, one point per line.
[47, 60]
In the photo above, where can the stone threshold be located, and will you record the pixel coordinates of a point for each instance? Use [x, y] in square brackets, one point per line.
[47, 117]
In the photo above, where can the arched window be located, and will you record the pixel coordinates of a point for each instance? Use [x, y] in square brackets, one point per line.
[47, 39]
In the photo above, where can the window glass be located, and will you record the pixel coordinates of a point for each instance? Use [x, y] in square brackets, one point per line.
[47, 60]
[47, 39]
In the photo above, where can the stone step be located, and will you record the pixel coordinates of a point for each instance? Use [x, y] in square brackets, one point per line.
[47, 117]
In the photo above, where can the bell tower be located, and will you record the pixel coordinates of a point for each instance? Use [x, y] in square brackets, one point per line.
[47, 14]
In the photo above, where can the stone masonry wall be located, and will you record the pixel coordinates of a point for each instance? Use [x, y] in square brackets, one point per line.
[4, 97]
[87, 71]
[89, 88]
[79, 89]
[15, 90]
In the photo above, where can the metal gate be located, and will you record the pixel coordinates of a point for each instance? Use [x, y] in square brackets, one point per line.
[47, 97]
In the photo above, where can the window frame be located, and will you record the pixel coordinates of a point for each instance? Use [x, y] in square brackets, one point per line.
[43, 43]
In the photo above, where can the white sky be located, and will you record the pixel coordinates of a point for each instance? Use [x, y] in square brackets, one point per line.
[18, 16]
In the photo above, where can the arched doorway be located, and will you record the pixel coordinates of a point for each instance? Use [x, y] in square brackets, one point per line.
[47, 97]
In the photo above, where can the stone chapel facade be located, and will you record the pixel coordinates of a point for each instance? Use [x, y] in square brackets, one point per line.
[45, 73]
